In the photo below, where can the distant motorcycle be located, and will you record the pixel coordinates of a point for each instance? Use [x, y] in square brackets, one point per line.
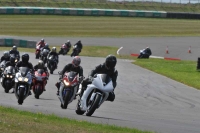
[43, 55]
[144, 53]
[95, 94]
[39, 81]
[17, 58]
[52, 63]
[68, 88]
[76, 51]
[8, 78]
[64, 49]
[23, 81]
[37, 52]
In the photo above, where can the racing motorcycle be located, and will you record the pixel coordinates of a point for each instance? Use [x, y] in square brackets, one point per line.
[2, 67]
[43, 55]
[64, 49]
[39, 81]
[144, 53]
[52, 63]
[95, 94]
[7, 79]
[23, 80]
[76, 51]
[37, 52]
[17, 58]
[68, 88]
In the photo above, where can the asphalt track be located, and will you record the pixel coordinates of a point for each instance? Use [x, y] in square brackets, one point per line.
[144, 99]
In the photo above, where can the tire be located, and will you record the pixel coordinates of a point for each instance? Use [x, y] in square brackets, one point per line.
[21, 96]
[94, 105]
[66, 99]
[78, 110]
[37, 55]
[6, 89]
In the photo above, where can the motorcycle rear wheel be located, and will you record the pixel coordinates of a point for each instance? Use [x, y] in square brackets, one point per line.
[93, 106]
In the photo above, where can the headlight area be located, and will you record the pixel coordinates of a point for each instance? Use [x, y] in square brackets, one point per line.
[23, 79]
[9, 76]
[66, 83]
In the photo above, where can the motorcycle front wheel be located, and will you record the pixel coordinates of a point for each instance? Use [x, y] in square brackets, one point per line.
[66, 99]
[21, 96]
[93, 105]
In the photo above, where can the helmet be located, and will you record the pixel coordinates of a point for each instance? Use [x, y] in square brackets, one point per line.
[6, 54]
[40, 64]
[12, 59]
[25, 58]
[76, 61]
[42, 40]
[53, 49]
[46, 45]
[110, 62]
[79, 41]
[14, 48]
[68, 41]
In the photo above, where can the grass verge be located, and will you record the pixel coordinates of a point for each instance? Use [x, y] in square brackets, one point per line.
[181, 71]
[90, 26]
[102, 4]
[15, 121]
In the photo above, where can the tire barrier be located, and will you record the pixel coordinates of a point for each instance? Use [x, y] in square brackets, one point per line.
[9, 42]
[183, 15]
[82, 12]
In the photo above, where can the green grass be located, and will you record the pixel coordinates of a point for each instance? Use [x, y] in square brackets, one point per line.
[181, 71]
[15, 121]
[51, 25]
[101, 4]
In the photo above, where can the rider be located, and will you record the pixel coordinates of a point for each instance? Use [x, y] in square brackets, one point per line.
[41, 65]
[74, 66]
[5, 56]
[25, 63]
[79, 46]
[14, 51]
[108, 67]
[68, 44]
[46, 46]
[41, 43]
[53, 52]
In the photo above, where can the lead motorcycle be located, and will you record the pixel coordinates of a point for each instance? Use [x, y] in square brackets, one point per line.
[8, 78]
[39, 81]
[52, 63]
[43, 55]
[37, 52]
[68, 88]
[64, 49]
[95, 94]
[23, 80]
[76, 51]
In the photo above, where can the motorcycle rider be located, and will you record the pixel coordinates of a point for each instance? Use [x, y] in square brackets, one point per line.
[46, 46]
[11, 63]
[79, 46]
[14, 51]
[145, 53]
[53, 52]
[41, 65]
[5, 56]
[25, 63]
[74, 66]
[41, 43]
[68, 44]
[108, 67]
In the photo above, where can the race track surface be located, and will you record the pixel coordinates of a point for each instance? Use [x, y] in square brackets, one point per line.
[144, 99]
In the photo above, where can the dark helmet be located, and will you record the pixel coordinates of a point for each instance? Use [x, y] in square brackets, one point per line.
[12, 59]
[6, 54]
[76, 61]
[25, 58]
[40, 64]
[14, 48]
[79, 41]
[42, 40]
[111, 61]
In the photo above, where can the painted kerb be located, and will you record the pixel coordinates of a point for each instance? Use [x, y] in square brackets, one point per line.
[82, 12]
[9, 42]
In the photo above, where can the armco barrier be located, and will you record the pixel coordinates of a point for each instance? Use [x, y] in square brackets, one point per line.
[82, 12]
[183, 15]
[9, 42]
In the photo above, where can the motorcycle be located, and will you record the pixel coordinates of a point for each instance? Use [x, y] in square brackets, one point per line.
[7, 79]
[17, 58]
[68, 88]
[39, 81]
[51, 63]
[95, 94]
[76, 51]
[43, 55]
[2, 67]
[144, 53]
[23, 80]
[37, 52]
[64, 49]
